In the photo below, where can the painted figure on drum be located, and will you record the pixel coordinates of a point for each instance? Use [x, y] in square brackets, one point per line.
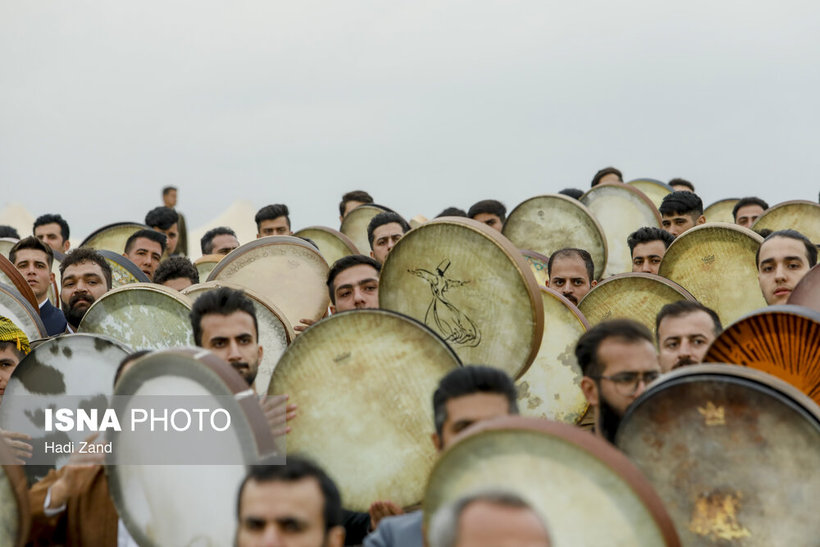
[442, 316]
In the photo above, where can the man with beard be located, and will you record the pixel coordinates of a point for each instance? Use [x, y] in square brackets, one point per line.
[571, 273]
[618, 360]
[34, 259]
[86, 276]
[685, 330]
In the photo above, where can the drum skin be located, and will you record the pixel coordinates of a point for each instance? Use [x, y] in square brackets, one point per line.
[721, 211]
[807, 292]
[123, 271]
[15, 516]
[113, 236]
[538, 266]
[730, 451]
[205, 265]
[332, 244]
[21, 313]
[655, 190]
[354, 225]
[800, 215]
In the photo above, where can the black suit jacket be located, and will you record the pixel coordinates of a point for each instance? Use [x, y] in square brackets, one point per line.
[53, 319]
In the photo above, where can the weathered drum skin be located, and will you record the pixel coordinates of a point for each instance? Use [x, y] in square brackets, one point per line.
[721, 211]
[142, 316]
[363, 380]
[639, 296]
[10, 275]
[620, 209]
[332, 244]
[732, 453]
[21, 312]
[807, 292]
[655, 190]
[205, 265]
[15, 516]
[123, 271]
[568, 475]
[715, 262]
[800, 215]
[552, 222]
[471, 286]
[551, 386]
[113, 236]
[780, 340]
[354, 225]
[538, 266]
[287, 271]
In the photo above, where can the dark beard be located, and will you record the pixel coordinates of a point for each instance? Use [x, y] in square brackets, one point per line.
[246, 372]
[73, 314]
[608, 420]
[684, 362]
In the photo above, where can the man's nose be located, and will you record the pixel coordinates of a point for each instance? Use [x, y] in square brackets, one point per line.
[233, 351]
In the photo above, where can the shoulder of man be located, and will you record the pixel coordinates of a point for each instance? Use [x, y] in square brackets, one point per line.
[399, 531]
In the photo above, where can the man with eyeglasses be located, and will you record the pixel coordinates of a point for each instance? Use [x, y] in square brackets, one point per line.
[619, 360]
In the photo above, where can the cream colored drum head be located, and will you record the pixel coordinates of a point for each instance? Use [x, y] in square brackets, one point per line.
[205, 265]
[721, 211]
[275, 332]
[807, 292]
[21, 313]
[14, 508]
[142, 316]
[569, 476]
[538, 266]
[113, 236]
[655, 190]
[620, 209]
[10, 275]
[332, 244]
[123, 271]
[363, 381]
[6, 243]
[471, 286]
[779, 340]
[285, 270]
[731, 452]
[355, 224]
[803, 216]
[638, 296]
[551, 387]
[546, 224]
[715, 262]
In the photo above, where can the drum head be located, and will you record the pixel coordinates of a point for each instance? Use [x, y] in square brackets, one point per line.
[205, 265]
[332, 244]
[123, 271]
[638, 296]
[354, 225]
[14, 508]
[807, 292]
[363, 380]
[21, 313]
[10, 275]
[568, 475]
[275, 332]
[113, 236]
[471, 286]
[721, 211]
[6, 243]
[142, 316]
[620, 209]
[728, 450]
[655, 190]
[538, 266]
[551, 387]
[549, 223]
[715, 262]
[803, 216]
[780, 340]
[285, 270]
[185, 504]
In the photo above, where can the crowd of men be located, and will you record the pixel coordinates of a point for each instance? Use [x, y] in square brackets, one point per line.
[298, 503]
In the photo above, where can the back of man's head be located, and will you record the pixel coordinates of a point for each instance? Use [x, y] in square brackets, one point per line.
[681, 203]
[221, 301]
[625, 330]
[161, 218]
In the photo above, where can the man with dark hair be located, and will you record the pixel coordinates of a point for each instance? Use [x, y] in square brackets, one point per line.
[648, 245]
[291, 504]
[85, 277]
[9, 231]
[681, 211]
[353, 283]
[607, 174]
[218, 241]
[169, 199]
[176, 272]
[383, 232]
[144, 248]
[681, 185]
[273, 220]
[452, 212]
[571, 272]
[489, 211]
[34, 260]
[618, 360]
[165, 220]
[351, 200]
[53, 231]
[747, 210]
[783, 258]
[574, 193]
[464, 396]
[684, 331]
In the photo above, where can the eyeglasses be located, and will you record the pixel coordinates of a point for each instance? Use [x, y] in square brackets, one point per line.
[626, 383]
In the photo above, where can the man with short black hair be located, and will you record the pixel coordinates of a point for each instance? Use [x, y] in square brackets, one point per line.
[747, 210]
[681, 185]
[291, 504]
[144, 248]
[85, 276]
[491, 212]
[607, 174]
[169, 199]
[273, 220]
[177, 273]
[383, 232]
[218, 241]
[784, 257]
[574, 193]
[351, 200]
[570, 271]
[34, 259]
[9, 231]
[648, 245]
[681, 211]
[684, 332]
[353, 283]
[165, 220]
[452, 212]
[53, 231]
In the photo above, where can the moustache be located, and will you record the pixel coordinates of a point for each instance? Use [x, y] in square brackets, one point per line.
[684, 362]
[80, 298]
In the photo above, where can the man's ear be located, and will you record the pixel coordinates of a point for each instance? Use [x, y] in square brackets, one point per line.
[701, 220]
[260, 354]
[66, 245]
[590, 390]
[436, 441]
[335, 537]
[372, 255]
[593, 283]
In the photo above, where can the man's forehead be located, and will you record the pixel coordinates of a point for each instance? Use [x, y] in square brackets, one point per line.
[86, 267]
[649, 247]
[294, 495]
[568, 262]
[236, 323]
[143, 243]
[695, 320]
[627, 354]
[51, 227]
[30, 254]
[355, 275]
[8, 353]
[391, 228]
[782, 246]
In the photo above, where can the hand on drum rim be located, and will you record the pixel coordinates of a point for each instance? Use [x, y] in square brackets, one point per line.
[20, 450]
[278, 413]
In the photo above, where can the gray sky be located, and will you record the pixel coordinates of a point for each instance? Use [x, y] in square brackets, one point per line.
[424, 104]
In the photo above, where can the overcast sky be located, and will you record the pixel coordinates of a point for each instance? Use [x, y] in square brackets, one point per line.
[424, 104]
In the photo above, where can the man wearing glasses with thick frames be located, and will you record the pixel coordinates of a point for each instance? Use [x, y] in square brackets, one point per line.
[619, 360]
